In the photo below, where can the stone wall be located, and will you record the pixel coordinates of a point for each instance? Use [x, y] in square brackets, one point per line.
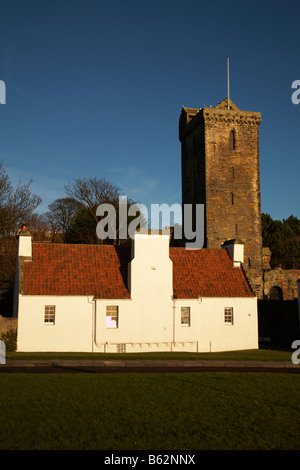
[7, 324]
[284, 279]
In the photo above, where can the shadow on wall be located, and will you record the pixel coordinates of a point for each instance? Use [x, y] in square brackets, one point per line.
[6, 299]
[278, 323]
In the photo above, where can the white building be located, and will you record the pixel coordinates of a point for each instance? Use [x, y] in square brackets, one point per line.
[147, 297]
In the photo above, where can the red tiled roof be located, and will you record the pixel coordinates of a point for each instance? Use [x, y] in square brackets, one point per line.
[101, 271]
[206, 273]
[63, 269]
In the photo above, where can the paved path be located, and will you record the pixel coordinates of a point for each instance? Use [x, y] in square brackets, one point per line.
[150, 366]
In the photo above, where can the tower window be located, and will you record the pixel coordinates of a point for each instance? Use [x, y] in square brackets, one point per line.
[232, 140]
[232, 198]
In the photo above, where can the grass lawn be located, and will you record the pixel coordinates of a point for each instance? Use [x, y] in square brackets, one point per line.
[219, 410]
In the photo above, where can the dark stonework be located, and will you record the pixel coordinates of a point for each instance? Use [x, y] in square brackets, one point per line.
[220, 169]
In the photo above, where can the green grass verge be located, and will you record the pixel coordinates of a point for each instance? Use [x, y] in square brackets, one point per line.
[247, 355]
[149, 411]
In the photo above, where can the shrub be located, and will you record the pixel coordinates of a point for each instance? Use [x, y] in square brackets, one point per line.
[10, 340]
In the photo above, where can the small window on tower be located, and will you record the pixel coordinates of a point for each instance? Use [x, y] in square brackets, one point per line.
[232, 140]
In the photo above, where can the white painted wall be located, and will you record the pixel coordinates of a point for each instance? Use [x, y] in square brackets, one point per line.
[72, 330]
[207, 331]
[151, 290]
[80, 327]
[151, 268]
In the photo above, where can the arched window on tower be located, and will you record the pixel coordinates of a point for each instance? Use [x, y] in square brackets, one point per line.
[275, 293]
[232, 140]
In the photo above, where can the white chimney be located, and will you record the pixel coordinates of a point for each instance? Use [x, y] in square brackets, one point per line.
[25, 244]
[235, 249]
[24, 254]
[150, 269]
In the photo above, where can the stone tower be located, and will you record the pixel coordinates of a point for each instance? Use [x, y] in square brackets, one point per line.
[220, 169]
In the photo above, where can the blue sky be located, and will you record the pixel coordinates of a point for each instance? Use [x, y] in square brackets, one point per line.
[95, 88]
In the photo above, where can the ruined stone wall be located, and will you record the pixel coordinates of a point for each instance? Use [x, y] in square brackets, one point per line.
[7, 324]
[284, 279]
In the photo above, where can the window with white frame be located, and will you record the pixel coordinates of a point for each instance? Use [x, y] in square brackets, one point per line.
[228, 315]
[185, 316]
[49, 316]
[112, 316]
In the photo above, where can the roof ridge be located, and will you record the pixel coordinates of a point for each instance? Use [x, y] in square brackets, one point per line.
[73, 244]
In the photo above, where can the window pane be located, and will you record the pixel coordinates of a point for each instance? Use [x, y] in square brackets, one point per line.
[185, 316]
[228, 315]
[49, 316]
[111, 316]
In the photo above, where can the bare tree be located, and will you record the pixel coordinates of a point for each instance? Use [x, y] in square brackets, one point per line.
[91, 193]
[5, 186]
[62, 213]
[39, 227]
[16, 207]
[16, 204]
